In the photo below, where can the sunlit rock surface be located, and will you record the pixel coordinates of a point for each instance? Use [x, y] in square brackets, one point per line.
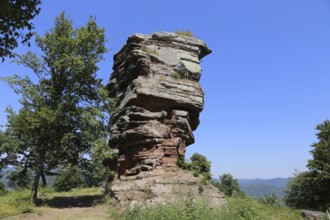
[158, 99]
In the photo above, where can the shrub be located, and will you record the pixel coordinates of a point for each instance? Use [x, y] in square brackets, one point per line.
[310, 189]
[189, 209]
[176, 75]
[193, 208]
[182, 163]
[270, 199]
[245, 208]
[69, 178]
[198, 164]
[228, 185]
[185, 33]
[303, 192]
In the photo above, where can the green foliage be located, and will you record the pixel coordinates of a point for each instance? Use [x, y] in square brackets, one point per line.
[15, 17]
[195, 208]
[90, 173]
[66, 111]
[228, 185]
[15, 202]
[2, 187]
[97, 170]
[303, 191]
[246, 208]
[71, 177]
[198, 164]
[189, 209]
[185, 33]
[176, 75]
[270, 199]
[310, 189]
[19, 178]
[183, 163]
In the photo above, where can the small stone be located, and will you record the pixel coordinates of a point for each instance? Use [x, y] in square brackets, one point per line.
[313, 215]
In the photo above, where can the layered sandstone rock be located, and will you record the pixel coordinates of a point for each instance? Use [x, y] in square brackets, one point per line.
[158, 100]
[163, 185]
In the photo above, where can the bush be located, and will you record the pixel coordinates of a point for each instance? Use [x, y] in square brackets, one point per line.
[310, 189]
[189, 209]
[69, 178]
[270, 199]
[228, 185]
[245, 208]
[196, 208]
[305, 192]
[199, 165]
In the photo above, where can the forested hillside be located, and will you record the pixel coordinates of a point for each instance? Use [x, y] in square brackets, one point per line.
[261, 187]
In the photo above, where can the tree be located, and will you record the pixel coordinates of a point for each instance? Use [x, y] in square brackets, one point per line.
[228, 185]
[70, 177]
[19, 178]
[198, 164]
[15, 17]
[96, 171]
[311, 189]
[65, 113]
[2, 186]
[90, 173]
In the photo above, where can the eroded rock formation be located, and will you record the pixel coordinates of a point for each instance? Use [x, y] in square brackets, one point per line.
[158, 100]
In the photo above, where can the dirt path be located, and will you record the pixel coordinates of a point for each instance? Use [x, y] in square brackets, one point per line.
[98, 212]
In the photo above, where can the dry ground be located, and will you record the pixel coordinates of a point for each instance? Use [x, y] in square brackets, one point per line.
[98, 212]
[87, 203]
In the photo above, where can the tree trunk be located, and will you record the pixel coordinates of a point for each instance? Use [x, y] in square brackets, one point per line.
[43, 178]
[34, 191]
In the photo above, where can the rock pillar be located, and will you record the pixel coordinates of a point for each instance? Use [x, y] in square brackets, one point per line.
[158, 98]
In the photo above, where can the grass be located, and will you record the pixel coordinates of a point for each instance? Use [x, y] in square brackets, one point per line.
[185, 33]
[242, 208]
[237, 208]
[176, 75]
[18, 201]
[14, 203]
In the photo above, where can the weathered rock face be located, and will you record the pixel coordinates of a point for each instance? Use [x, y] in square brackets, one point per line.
[158, 99]
[163, 185]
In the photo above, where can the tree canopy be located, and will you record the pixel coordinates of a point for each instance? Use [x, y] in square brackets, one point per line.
[15, 19]
[311, 189]
[64, 113]
[228, 185]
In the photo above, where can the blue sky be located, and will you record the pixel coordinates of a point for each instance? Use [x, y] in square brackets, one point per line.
[266, 83]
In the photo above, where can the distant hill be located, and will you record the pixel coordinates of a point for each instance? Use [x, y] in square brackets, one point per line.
[261, 187]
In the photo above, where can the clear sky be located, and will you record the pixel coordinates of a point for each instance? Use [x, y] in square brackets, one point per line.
[266, 83]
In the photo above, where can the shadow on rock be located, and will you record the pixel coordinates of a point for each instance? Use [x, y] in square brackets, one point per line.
[74, 202]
